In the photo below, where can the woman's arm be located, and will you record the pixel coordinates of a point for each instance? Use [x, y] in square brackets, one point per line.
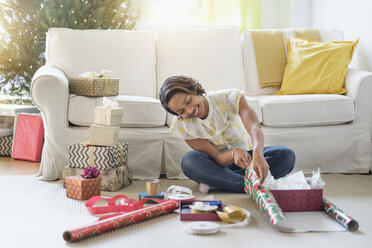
[221, 158]
[252, 125]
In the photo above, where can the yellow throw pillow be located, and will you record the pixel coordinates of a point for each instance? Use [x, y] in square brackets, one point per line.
[316, 67]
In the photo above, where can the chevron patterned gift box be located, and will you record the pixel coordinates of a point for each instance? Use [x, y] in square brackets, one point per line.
[6, 145]
[102, 157]
[82, 189]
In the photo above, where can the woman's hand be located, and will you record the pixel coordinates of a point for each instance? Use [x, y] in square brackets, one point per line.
[260, 166]
[241, 158]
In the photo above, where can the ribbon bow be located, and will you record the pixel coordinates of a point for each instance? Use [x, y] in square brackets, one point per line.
[93, 74]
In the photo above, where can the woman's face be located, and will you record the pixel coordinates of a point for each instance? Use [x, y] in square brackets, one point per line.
[188, 106]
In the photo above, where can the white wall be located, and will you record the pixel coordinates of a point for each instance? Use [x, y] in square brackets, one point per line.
[285, 14]
[354, 18]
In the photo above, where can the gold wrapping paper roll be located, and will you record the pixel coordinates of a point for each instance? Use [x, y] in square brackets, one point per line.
[153, 187]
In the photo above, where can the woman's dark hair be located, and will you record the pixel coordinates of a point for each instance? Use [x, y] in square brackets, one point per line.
[178, 84]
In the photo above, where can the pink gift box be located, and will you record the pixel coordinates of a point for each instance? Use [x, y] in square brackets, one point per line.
[28, 138]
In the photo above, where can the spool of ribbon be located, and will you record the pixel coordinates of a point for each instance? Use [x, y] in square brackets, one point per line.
[234, 215]
[179, 193]
[152, 187]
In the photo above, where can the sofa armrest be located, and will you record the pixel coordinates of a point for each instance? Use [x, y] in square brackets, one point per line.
[49, 92]
[359, 87]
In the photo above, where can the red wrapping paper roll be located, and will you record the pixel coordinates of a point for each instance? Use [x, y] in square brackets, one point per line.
[120, 220]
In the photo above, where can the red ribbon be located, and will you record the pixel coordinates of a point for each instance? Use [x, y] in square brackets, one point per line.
[125, 204]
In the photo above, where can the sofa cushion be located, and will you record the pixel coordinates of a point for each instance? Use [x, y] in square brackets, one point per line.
[139, 111]
[212, 55]
[129, 54]
[249, 59]
[306, 110]
[316, 67]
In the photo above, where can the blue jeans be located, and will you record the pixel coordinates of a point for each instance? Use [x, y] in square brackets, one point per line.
[199, 167]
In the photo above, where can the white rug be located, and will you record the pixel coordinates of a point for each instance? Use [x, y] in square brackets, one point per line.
[35, 213]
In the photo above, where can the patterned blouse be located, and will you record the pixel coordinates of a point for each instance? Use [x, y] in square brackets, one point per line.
[223, 127]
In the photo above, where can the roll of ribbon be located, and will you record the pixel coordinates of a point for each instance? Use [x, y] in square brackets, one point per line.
[153, 187]
[207, 227]
[179, 193]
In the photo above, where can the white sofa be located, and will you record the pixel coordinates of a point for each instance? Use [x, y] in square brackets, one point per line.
[332, 132]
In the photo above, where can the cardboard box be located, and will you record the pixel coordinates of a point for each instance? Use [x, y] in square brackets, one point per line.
[186, 215]
[300, 200]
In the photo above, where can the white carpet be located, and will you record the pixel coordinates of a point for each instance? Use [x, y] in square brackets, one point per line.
[35, 213]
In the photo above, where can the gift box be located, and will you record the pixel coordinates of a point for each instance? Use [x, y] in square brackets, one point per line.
[186, 215]
[104, 135]
[6, 145]
[102, 157]
[112, 180]
[28, 137]
[7, 122]
[94, 86]
[108, 116]
[80, 188]
[299, 200]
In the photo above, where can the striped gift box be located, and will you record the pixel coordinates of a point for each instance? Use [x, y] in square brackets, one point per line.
[6, 145]
[102, 157]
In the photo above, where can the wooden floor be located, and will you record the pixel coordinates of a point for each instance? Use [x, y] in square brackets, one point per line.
[9, 166]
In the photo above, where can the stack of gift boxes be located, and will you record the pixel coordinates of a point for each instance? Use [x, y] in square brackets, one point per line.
[102, 151]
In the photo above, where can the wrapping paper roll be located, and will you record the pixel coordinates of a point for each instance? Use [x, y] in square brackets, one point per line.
[342, 218]
[120, 220]
[263, 197]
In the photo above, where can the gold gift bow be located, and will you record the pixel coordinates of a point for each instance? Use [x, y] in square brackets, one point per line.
[91, 152]
[229, 214]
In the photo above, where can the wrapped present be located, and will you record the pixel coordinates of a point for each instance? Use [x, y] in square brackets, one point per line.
[93, 84]
[80, 188]
[6, 145]
[102, 157]
[6, 122]
[109, 114]
[104, 135]
[28, 137]
[112, 180]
